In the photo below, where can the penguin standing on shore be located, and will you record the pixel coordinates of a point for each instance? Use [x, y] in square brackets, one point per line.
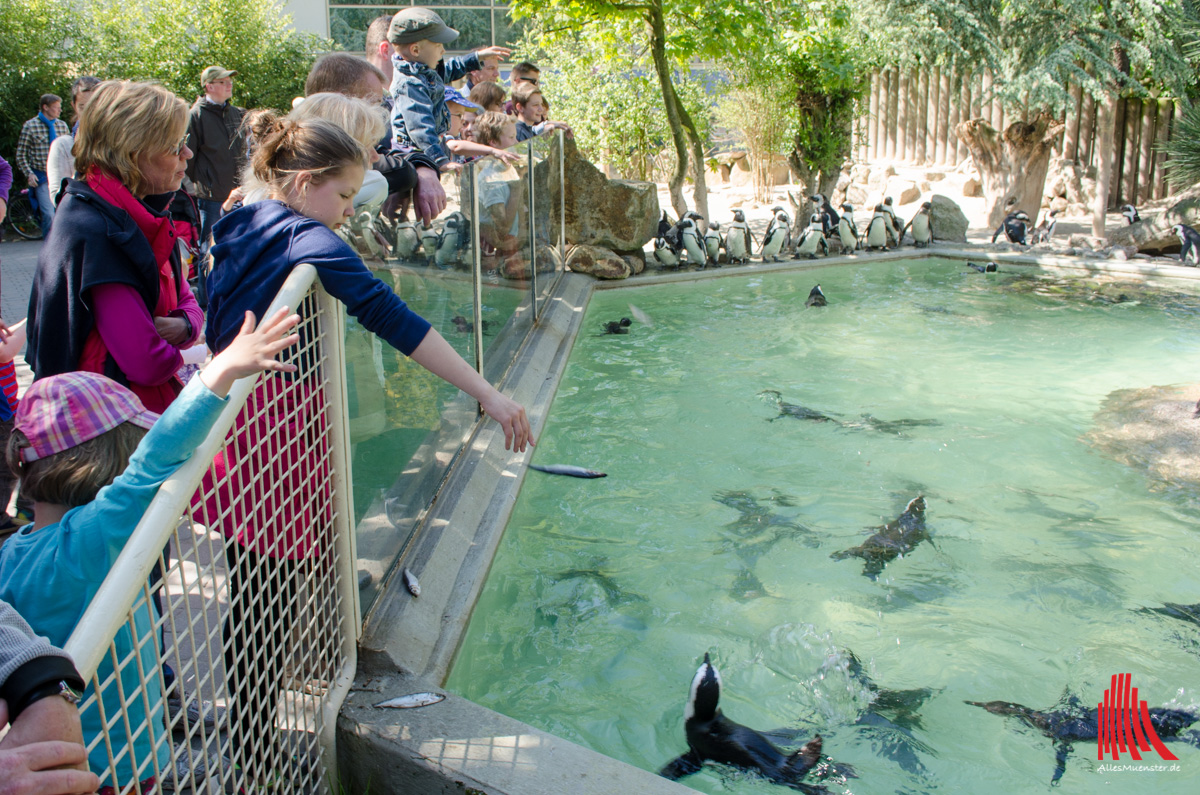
[429, 243]
[1190, 240]
[895, 223]
[877, 231]
[1013, 228]
[780, 218]
[921, 226]
[829, 217]
[666, 256]
[739, 242]
[713, 242]
[776, 237]
[813, 238]
[447, 246]
[713, 737]
[407, 240]
[1131, 214]
[693, 243]
[847, 229]
[1045, 230]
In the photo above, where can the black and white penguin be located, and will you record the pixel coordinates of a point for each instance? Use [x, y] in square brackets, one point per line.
[895, 223]
[780, 218]
[1190, 240]
[989, 268]
[693, 243]
[664, 224]
[448, 243]
[1013, 228]
[815, 297]
[711, 737]
[713, 242]
[847, 230]
[429, 243]
[829, 217]
[739, 242]
[618, 326]
[665, 255]
[921, 226]
[813, 238]
[1131, 214]
[878, 233]
[407, 240]
[1045, 230]
[776, 237]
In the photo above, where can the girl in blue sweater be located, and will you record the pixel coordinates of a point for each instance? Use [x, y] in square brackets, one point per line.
[311, 169]
[81, 448]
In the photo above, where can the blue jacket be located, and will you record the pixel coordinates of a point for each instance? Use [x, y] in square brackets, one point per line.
[256, 247]
[51, 575]
[419, 113]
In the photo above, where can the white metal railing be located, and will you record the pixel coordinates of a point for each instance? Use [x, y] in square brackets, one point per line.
[261, 636]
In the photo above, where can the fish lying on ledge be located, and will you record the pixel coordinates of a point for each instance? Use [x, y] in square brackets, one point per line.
[412, 701]
[570, 470]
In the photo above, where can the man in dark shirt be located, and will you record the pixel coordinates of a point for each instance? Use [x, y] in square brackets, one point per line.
[216, 138]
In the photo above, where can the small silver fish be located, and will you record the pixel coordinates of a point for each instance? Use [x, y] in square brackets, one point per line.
[410, 582]
[569, 469]
[412, 701]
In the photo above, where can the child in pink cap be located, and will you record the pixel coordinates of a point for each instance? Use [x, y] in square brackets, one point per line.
[91, 458]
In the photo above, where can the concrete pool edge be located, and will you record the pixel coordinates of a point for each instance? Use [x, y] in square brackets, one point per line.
[409, 644]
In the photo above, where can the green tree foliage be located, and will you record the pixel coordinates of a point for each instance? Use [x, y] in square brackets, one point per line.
[612, 99]
[45, 44]
[765, 123]
[1184, 148]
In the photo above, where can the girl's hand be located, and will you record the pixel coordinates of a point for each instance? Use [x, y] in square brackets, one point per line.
[511, 416]
[252, 350]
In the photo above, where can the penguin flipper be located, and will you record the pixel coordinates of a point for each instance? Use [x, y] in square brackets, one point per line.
[681, 766]
[804, 759]
[1061, 749]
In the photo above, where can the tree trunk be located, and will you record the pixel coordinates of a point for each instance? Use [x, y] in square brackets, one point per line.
[699, 184]
[658, 49]
[1011, 165]
[1106, 119]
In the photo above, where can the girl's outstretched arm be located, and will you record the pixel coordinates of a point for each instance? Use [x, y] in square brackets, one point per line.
[438, 357]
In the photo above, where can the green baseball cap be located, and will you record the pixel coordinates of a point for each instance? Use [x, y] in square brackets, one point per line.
[417, 24]
[215, 73]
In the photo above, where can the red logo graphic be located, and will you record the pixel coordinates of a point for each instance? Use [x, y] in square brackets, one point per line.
[1123, 723]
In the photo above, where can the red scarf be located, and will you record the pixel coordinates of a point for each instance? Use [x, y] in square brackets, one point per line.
[161, 233]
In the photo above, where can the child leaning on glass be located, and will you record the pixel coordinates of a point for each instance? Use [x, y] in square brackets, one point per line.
[91, 458]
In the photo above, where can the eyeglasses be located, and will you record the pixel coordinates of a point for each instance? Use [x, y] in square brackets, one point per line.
[533, 80]
[178, 150]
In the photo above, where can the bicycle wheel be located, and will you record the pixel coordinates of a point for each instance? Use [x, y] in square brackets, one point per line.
[26, 221]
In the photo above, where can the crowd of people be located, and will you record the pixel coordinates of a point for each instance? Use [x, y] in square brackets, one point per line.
[169, 231]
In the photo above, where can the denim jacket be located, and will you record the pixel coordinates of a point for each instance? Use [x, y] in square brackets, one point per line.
[419, 113]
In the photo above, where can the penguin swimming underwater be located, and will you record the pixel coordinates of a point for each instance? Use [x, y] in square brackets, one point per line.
[877, 230]
[713, 242]
[815, 297]
[693, 243]
[1013, 228]
[713, 737]
[813, 238]
[921, 226]
[1045, 230]
[739, 242]
[1131, 214]
[1190, 240]
[776, 237]
[847, 230]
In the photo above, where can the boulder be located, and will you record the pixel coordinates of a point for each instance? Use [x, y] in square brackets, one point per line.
[949, 221]
[972, 187]
[616, 214]
[860, 172]
[857, 196]
[1153, 235]
[598, 261]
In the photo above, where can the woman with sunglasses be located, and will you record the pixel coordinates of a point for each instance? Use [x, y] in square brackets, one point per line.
[109, 295]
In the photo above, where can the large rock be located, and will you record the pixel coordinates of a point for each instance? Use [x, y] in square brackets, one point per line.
[616, 214]
[949, 222]
[1154, 429]
[972, 188]
[903, 191]
[1154, 235]
[597, 261]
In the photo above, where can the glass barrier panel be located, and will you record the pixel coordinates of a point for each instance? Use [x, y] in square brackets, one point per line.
[502, 196]
[548, 211]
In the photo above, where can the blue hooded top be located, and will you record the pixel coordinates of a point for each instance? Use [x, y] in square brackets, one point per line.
[256, 247]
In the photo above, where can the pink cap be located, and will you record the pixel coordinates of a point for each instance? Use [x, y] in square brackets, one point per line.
[63, 411]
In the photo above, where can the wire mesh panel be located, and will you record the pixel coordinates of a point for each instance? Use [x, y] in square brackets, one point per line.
[223, 639]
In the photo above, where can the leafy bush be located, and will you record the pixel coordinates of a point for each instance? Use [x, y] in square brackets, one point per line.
[764, 122]
[32, 33]
[1183, 167]
[614, 105]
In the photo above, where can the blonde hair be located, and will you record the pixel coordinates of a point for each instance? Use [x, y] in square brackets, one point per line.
[363, 120]
[488, 95]
[488, 127]
[74, 476]
[289, 146]
[123, 120]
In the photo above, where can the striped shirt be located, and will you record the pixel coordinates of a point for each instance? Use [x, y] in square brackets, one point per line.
[8, 385]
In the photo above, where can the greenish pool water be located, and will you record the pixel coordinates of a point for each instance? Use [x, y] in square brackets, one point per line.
[714, 528]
